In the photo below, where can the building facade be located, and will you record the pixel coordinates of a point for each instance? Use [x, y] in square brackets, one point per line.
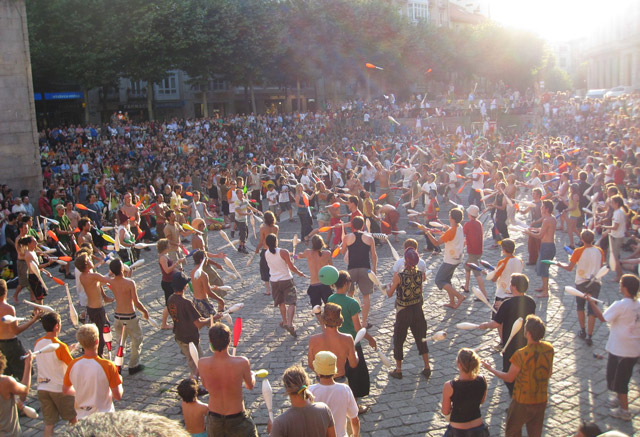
[612, 50]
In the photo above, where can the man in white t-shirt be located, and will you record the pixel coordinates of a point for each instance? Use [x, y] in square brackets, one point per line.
[338, 397]
[616, 233]
[477, 184]
[51, 370]
[587, 260]
[453, 240]
[623, 345]
[398, 266]
[95, 382]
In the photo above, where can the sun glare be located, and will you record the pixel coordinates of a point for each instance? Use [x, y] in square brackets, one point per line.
[553, 20]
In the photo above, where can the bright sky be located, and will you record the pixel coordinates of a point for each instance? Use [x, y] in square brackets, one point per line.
[554, 20]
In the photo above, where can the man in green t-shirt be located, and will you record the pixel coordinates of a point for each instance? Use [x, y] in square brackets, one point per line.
[358, 376]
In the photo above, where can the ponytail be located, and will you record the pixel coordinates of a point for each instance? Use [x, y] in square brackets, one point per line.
[271, 241]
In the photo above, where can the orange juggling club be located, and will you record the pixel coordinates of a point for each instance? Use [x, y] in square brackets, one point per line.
[460, 163]
[53, 235]
[374, 67]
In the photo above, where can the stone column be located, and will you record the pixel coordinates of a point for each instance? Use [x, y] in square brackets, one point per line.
[19, 154]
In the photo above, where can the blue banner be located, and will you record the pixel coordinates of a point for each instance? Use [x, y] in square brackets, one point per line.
[69, 95]
[37, 96]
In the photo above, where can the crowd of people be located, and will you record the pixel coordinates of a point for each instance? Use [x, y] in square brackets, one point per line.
[350, 174]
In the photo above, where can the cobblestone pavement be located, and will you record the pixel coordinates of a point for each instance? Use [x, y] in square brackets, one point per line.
[410, 406]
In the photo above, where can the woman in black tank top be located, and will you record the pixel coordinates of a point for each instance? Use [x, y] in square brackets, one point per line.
[462, 397]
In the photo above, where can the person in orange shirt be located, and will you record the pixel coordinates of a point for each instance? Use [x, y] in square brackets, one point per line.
[95, 382]
[587, 260]
[51, 370]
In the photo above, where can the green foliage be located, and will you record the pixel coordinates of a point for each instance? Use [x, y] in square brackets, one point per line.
[93, 42]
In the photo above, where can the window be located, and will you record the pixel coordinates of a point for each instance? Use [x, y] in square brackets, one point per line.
[168, 85]
[418, 11]
[217, 85]
[137, 88]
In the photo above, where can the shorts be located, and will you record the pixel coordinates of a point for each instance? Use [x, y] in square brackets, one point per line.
[204, 307]
[284, 292]
[319, 294]
[264, 267]
[12, 350]
[444, 275]
[360, 276]
[619, 371]
[561, 206]
[285, 206]
[547, 252]
[233, 425]
[616, 246]
[473, 259]
[98, 317]
[593, 290]
[56, 406]
[168, 291]
[37, 287]
[23, 273]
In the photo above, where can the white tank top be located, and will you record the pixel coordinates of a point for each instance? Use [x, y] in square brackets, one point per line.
[278, 268]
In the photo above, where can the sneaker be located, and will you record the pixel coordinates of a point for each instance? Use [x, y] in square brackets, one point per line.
[613, 401]
[582, 334]
[134, 370]
[426, 372]
[620, 414]
[589, 341]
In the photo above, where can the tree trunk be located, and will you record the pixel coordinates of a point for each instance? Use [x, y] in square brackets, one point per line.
[150, 101]
[298, 96]
[205, 106]
[252, 96]
[85, 92]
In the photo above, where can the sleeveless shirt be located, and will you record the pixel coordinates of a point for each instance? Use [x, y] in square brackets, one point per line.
[278, 268]
[359, 253]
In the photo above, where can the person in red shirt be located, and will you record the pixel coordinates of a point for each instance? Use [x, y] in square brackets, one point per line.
[473, 233]
[44, 204]
[618, 178]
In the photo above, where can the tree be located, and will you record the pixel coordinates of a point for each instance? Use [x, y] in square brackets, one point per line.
[256, 46]
[73, 40]
[208, 44]
[153, 36]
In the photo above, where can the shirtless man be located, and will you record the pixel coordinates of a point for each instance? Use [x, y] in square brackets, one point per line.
[95, 295]
[173, 232]
[131, 211]
[546, 235]
[383, 176]
[23, 276]
[36, 283]
[10, 344]
[202, 290]
[85, 237]
[333, 341]
[124, 290]
[223, 375]
[199, 242]
[268, 227]
[317, 258]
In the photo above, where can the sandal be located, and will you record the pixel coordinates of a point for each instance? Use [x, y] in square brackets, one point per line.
[466, 290]
[426, 372]
[395, 374]
[362, 409]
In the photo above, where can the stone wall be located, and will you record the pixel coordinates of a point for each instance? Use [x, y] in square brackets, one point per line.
[19, 155]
